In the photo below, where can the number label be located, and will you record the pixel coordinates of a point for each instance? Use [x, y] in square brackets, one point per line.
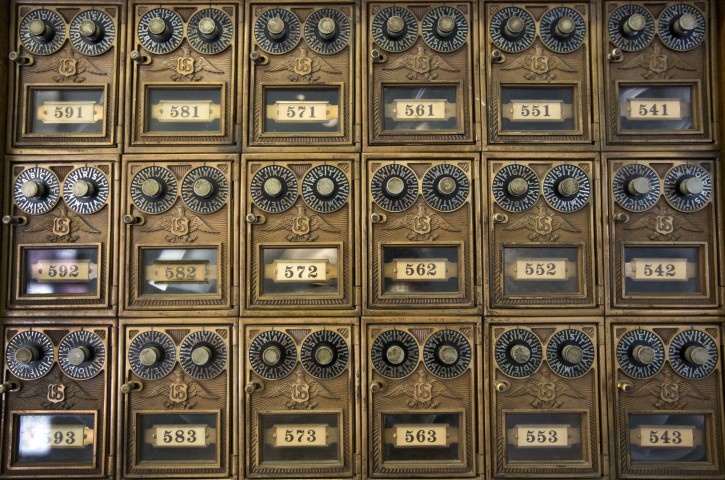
[300, 435]
[300, 271]
[655, 109]
[57, 436]
[292, 112]
[185, 111]
[658, 269]
[542, 436]
[177, 273]
[420, 110]
[542, 269]
[421, 270]
[173, 436]
[534, 111]
[421, 435]
[52, 271]
[666, 437]
[70, 112]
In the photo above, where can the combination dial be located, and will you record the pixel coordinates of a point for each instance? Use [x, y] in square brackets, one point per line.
[160, 31]
[324, 354]
[445, 187]
[210, 31]
[92, 32]
[277, 31]
[631, 27]
[562, 29]
[152, 355]
[518, 353]
[693, 354]
[636, 187]
[274, 189]
[273, 355]
[566, 188]
[36, 190]
[325, 188]
[85, 190]
[29, 355]
[153, 189]
[688, 187]
[570, 353]
[394, 354]
[681, 27]
[640, 353]
[512, 29]
[204, 189]
[447, 354]
[327, 31]
[515, 188]
[394, 29]
[444, 29]
[394, 187]
[81, 354]
[203, 355]
[42, 32]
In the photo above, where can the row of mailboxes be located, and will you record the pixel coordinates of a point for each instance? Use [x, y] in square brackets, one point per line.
[390, 399]
[342, 74]
[327, 234]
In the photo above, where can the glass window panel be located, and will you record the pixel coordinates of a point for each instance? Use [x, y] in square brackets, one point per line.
[300, 437]
[533, 109]
[422, 437]
[177, 437]
[181, 110]
[300, 271]
[667, 438]
[169, 271]
[62, 439]
[544, 438]
[548, 270]
[420, 109]
[70, 111]
[656, 108]
[420, 270]
[657, 271]
[60, 271]
[297, 110]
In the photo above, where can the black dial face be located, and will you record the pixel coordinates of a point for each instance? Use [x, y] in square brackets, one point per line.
[394, 354]
[562, 29]
[152, 355]
[394, 29]
[512, 29]
[274, 189]
[636, 187]
[447, 354]
[204, 189]
[29, 355]
[515, 188]
[36, 191]
[570, 353]
[42, 32]
[445, 187]
[444, 29]
[210, 31]
[160, 31]
[81, 354]
[631, 27]
[154, 189]
[325, 188]
[92, 32]
[688, 187]
[693, 354]
[518, 353]
[640, 353]
[277, 31]
[203, 355]
[85, 190]
[566, 188]
[327, 31]
[394, 187]
[681, 27]
[273, 355]
[324, 354]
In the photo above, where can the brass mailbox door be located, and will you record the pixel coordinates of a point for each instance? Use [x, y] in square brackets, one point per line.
[300, 398]
[666, 399]
[61, 233]
[176, 399]
[64, 90]
[57, 382]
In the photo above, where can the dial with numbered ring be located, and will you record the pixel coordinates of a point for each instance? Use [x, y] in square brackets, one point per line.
[36, 190]
[447, 353]
[688, 187]
[515, 188]
[160, 31]
[636, 187]
[518, 353]
[325, 188]
[631, 27]
[640, 353]
[81, 354]
[445, 187]
[203, 355]
[562, 29]
[29, 355]
[327, 31]
[324, 354]
[570, 353]
[152, 355]
[92, 32]
[204, 189]
[210, 31]
[394, 187]
[42, 32]
[566, 188]
[693, 354]
[86, 190]
[274, 189]
[394, 29]
[394, 354]
[153, 189]
[444, 29]
[277, 31]
[681, 27]
[512, 29]
[273, 355]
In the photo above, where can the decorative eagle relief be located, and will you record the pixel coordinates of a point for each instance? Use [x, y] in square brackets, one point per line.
[663, 225]
[657, 65]
[543, 227]
[180, 392]
[64, 225]
[300, 225]
[545, 391]
[303, 68]
[301, 391]
[69, 66]
[422, 64]
[186, 67]
[540, 66]
[181, 226]
[668, 393]
[422, 225]
[58, 393]
[422, 391]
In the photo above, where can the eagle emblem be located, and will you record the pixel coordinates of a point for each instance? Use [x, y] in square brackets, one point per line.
[543, 227]
[545, 391]
[421, 390]
[300, 225]
[186, 67]
[422, 225]
[304, 67]
[70, 67]
[180, 392]
[657, 65]
[58, 393]
[422, 65]
[669, 393]
[540, 66]
[180, 226]
[663, 225]
[64, 225]
[301, 392]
